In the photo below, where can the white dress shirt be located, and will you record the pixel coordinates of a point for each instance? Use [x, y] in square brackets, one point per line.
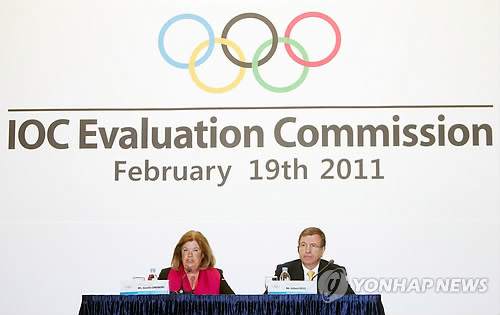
[306, 276]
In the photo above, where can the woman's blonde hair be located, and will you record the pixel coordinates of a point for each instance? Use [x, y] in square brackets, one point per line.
[208, 257]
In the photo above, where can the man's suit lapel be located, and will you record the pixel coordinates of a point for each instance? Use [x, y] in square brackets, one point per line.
[322, 263]
[296, 271]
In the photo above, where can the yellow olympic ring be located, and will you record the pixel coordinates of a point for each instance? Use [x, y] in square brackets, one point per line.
[205, 87]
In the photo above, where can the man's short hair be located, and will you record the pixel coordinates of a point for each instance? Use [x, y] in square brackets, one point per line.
[313, 231]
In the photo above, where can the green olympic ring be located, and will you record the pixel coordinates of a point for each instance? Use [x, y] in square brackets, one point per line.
[266, 85]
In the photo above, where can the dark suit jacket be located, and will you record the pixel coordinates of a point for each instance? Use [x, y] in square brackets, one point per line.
[297, 272]
[224, 287]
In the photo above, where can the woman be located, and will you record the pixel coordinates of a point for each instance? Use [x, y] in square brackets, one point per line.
[193, 265]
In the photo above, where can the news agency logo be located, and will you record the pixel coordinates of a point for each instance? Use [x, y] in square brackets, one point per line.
[241, 61]
[332, 284]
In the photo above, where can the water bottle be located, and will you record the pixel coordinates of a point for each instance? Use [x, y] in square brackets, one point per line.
[152, 274]
[285, 276]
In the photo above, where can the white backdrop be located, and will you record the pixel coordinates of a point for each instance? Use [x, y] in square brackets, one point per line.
[68, 228]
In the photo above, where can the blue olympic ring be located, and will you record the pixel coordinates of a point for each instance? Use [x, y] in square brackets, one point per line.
[161, 36]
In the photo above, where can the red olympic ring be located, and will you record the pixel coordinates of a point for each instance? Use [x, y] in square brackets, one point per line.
[322, 61]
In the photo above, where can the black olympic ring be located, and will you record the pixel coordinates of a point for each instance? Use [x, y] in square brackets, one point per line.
[274, 44]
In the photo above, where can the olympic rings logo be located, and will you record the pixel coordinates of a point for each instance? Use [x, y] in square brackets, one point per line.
[241, 61]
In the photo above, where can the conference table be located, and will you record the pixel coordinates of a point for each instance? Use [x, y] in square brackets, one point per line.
[287, 304]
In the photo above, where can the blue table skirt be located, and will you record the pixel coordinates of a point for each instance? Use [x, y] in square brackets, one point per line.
[229, 305]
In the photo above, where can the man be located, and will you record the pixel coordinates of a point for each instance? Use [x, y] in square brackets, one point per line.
[311, 247]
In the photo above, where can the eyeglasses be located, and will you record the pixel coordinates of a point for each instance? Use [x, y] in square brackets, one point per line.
[313, 246]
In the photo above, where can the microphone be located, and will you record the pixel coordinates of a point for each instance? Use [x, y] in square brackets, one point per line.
[323, 269]
[181, 290]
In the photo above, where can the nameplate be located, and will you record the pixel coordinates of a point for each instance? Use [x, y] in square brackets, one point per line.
[135, 287]
[291, 287]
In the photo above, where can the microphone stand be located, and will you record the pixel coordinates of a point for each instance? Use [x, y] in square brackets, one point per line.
[323, 269]
[181, 290]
